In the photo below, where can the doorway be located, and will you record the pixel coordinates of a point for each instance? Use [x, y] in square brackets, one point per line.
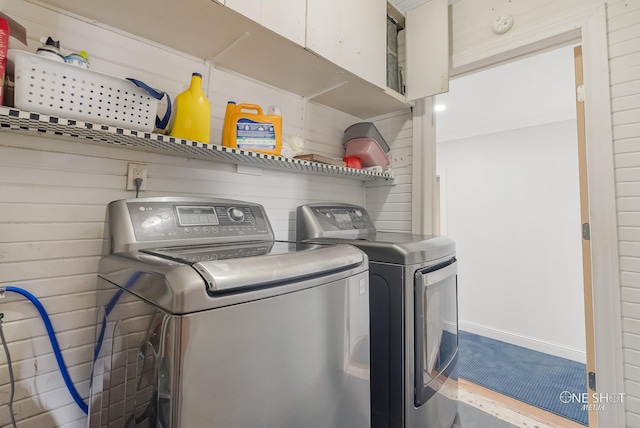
[507, 143]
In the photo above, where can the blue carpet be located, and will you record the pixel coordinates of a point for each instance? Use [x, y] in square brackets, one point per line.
[530, 376]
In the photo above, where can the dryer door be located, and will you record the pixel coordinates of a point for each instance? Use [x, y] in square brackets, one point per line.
[436, 327]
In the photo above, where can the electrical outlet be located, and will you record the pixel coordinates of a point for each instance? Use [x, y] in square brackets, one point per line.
[136, 170]
[400, 157]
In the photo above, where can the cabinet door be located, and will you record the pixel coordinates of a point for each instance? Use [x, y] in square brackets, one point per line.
[285, 17]
[427, 33]
[248, 8]
[364, 28]
[323, 28]
[351, 34]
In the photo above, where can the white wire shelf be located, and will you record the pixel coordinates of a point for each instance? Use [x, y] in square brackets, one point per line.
[12, 119]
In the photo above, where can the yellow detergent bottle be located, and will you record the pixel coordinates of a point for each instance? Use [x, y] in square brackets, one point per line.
[256, 132]
[193, 113]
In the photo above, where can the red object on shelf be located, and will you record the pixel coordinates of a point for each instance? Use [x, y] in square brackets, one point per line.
[353, 162]
[4, 46]
[8, 27]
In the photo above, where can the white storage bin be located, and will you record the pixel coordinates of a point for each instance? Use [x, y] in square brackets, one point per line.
[58, 89]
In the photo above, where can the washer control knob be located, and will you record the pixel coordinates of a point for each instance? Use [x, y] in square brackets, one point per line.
[235, 214]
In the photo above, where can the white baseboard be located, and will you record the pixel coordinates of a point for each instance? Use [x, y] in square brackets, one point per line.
[525, 341]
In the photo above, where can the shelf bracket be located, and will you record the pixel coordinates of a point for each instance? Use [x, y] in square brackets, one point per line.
[208, 64]
[230, 46]
[307, 98]
[324, 90]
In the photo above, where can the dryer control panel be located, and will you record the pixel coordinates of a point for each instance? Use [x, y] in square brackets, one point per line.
[180, 221]
[321, 220]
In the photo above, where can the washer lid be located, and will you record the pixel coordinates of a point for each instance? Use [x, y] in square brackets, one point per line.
[240, 268]
[188, 286]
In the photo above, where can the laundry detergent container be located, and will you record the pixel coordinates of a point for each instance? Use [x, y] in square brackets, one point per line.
[363, 140]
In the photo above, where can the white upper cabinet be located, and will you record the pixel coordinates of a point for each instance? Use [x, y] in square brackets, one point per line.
[351, 34]
[427, 56]
[285, 17]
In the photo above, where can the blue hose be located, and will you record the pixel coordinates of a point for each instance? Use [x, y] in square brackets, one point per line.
[54, 342]
[56, 347]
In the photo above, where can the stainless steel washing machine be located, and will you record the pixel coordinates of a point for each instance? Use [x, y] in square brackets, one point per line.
[413, 314]
[205, 321]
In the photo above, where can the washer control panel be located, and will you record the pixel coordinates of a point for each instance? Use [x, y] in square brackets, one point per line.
[154, 221]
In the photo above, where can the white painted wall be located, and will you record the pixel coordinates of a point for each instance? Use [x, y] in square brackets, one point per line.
[512, 206]
[53, 195]
[508, 153]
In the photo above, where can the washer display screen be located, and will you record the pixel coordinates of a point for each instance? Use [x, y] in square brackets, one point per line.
[197, 216]
[341, 215]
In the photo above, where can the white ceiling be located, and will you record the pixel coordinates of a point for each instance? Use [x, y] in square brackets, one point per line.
[406, 5]
[528, 92]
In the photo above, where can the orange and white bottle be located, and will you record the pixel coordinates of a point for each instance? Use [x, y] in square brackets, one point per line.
[247, 128]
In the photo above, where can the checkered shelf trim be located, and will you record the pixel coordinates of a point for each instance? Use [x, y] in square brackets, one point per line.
[18, 120]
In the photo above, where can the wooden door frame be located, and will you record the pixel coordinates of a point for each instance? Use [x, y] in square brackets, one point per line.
[583, 172]
[592, 35]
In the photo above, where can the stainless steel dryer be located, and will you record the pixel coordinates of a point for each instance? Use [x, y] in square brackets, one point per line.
[205, 321]
[413, 314]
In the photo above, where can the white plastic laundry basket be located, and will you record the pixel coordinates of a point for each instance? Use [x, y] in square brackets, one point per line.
[58, 89]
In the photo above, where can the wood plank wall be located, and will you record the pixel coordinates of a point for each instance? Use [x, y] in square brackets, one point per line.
[473, 41]
[53, 194]
[624, 62]
[390, 205]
